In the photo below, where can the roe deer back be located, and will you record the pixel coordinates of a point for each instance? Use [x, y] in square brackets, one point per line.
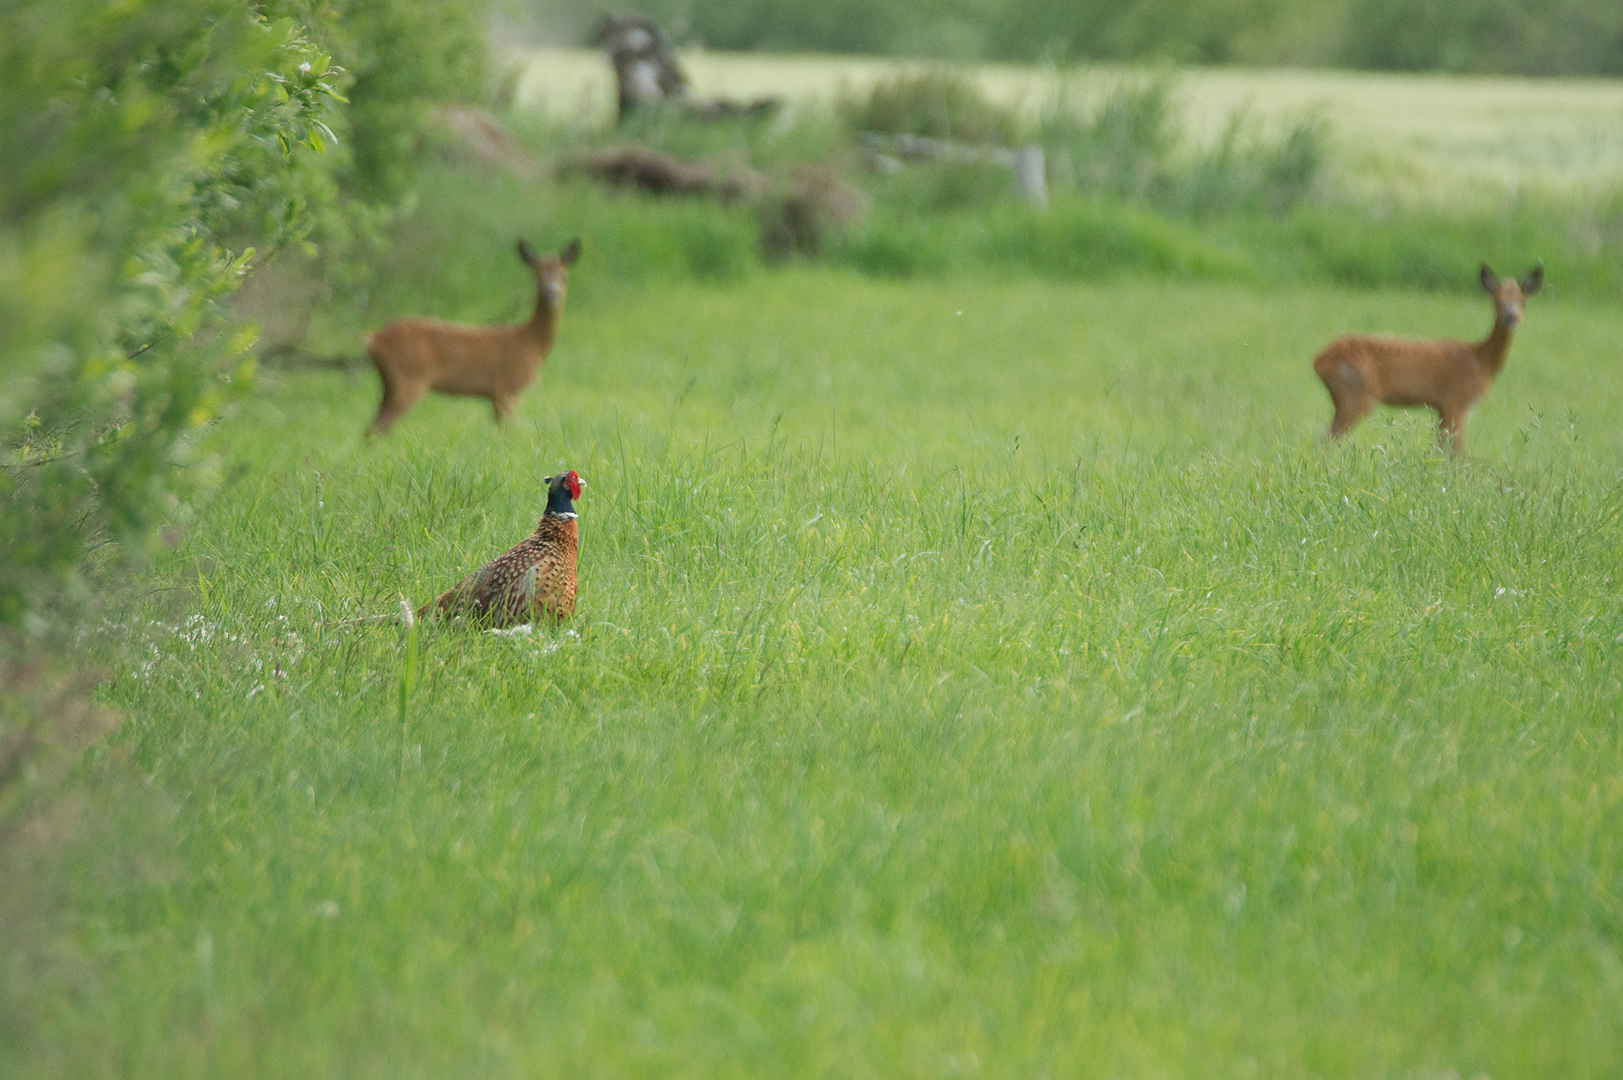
[1447, 376]
[414, 356]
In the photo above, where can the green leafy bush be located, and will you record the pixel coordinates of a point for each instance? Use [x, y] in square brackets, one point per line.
[403, 57]
[153, 129]
[152, 147]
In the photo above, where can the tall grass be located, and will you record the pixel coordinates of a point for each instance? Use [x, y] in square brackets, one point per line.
[938, 103]
[969, 676]
[467, 222]
[1132, 193]
[980, 666]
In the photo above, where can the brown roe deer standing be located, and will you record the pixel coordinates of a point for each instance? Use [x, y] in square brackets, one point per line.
[1448, 376]
[414, 356]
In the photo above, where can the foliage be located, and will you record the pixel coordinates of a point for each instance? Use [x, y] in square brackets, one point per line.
[153, 131]
[166, 143]
[402, 57]
[1529, 36]
[1534, 37]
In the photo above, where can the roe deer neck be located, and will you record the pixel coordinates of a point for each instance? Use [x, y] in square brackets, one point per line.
[1492, 350]
[543, 325]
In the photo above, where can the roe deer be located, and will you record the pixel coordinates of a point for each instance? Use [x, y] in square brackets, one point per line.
[414, 356]
[1448, 376]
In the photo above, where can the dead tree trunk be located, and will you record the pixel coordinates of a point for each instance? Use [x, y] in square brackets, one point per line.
[645, 65]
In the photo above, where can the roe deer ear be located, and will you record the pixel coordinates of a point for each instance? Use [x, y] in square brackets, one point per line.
[570, 252]
[1490, 280]
[1534, 279]
[527, 253]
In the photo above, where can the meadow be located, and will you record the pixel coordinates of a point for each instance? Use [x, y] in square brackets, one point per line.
[1017, 692]
[976, 673]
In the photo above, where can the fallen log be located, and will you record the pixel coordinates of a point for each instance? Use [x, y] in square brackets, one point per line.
[659, 173]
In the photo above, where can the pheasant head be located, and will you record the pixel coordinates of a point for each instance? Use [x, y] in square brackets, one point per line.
[562, 491]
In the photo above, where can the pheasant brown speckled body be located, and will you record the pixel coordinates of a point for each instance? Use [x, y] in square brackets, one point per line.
[532, 579]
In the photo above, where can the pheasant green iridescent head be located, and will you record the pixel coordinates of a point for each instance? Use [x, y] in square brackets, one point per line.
[562, 491]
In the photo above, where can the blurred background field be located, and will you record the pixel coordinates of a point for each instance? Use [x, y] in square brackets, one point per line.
[1421, 137]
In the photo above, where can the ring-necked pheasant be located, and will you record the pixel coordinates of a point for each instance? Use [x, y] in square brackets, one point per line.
[534, 578]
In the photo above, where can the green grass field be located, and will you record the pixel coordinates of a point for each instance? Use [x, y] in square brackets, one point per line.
[971, 677]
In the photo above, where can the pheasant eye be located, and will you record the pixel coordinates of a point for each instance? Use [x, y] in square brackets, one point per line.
[574, 486]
